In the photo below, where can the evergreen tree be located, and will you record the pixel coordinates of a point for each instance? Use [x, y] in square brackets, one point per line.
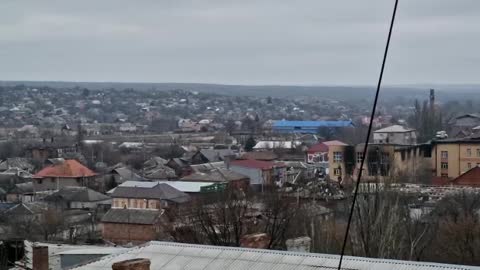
[249, 144]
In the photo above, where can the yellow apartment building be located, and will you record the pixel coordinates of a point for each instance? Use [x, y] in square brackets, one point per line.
[453, 157]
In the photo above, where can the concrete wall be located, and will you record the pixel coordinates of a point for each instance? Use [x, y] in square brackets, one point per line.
[403, 138]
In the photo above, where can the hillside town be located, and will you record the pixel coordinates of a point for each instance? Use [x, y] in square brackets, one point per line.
[91, 175]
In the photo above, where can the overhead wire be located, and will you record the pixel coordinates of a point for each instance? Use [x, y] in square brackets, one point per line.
[365, 148]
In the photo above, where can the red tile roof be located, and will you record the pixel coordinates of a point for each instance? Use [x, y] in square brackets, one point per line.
[69, 168]
[469, 178]
[319, 147]
[256, 164]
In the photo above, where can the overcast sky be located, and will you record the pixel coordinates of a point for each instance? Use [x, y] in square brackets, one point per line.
[240, 42]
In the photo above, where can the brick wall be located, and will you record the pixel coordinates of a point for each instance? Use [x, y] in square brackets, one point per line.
[125, 233]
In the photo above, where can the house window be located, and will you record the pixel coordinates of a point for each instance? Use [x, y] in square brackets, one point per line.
[444, 165]
[469, 165]
[337, 157]
[359, 157]
[445, 154]
[444, 175]
[478, 152]
[337, 171]
[469, 152]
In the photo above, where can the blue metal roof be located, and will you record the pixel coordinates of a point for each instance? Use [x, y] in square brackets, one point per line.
[311, 124]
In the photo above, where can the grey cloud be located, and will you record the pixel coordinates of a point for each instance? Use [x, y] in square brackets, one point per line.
[250, 41]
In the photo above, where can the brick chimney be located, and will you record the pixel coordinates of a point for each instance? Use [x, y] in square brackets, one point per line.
[133, 264]
[255, 240]
[40, 258]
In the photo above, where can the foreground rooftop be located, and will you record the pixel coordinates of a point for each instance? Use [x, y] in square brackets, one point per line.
[166, 255]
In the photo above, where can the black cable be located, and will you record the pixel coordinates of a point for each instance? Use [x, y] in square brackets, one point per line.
[355, 194]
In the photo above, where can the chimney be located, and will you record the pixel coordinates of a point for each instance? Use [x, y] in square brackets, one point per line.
[300, 244]
[255, 240]
[133, 264]
[40, 258]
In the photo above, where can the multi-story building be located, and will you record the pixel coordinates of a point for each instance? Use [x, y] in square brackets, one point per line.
[395, 134]
[137, 212]
[453, 157]
[337, 160]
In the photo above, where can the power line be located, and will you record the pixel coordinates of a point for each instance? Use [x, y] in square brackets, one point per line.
[379, 84]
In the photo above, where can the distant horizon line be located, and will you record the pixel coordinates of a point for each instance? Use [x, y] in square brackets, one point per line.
[409, 85]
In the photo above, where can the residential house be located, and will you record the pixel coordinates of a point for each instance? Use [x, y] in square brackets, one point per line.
[17, 162]
[43, 151]
[63, 173]
[21, 193]
[156, 168]
[261, 173]
[463, 124]
[190, 188]
[137, 213]
[13, 176]
[206, 167]
[180, 165]
[233, 179]
[211, 155]
[78, 198]
[121, 173]
[395, 134]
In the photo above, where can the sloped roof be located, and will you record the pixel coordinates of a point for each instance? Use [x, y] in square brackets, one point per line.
[160, 191]
[77, 194]
[183, 186]
[128, 174]
[170, 255]
[206, 167]
[22, 188]
[216, 175]
[256, 164]
[393, 129]
[260, 155]
[469, 178]
[26, 209]
[131, 216]
[276, 144]
[159, 171]
[319, 147]
[335, 143]
[17, 162]
[69, 168]
[216, 154]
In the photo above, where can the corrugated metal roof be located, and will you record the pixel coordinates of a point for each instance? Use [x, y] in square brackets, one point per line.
[166, 255]
[183, 186]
